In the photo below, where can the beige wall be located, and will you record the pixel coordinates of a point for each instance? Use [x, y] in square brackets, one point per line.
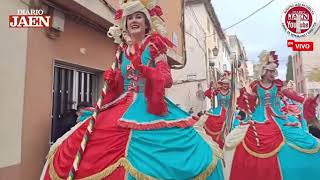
[97, 7]
[196, 66]
[195, 48]
[38, 88]
[172, 16]
[307, 61]
[12, 75]
[185, 95]
[310, 60]
[310, 63]
[212, 39]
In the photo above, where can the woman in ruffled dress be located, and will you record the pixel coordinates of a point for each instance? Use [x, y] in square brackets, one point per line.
[138, 133]
[266, 145]
[216, 116]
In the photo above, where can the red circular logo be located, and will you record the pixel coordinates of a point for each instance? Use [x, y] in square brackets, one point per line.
[298, 19]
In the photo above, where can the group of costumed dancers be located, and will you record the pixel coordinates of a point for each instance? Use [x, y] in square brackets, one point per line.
[135, 132]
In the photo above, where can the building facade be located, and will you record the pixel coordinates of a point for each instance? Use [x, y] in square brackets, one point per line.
[207, 55]
[251, 74]
[306, 66]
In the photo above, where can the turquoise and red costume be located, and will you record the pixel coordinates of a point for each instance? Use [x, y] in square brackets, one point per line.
[295, 110]
[216, 116]
[264, 147]
[138, 134]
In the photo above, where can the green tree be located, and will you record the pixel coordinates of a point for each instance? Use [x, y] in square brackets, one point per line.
[289, 75]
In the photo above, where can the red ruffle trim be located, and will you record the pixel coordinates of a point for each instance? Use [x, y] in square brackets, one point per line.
[241, 100]
[157, 78]
[254, 86]
[242, 103]
[158, 125]
[279, 83]
[160, 44]
[309, 109]
[115, 86]
[115, 102]
[107, 144]
[291, 94]
[208, 93]
[213, 127]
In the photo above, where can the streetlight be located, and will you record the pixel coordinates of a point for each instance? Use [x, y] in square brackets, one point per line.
[212, 79]
[215, 51]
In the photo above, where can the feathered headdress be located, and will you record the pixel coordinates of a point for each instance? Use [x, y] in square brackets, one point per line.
[150, 8]
[268, 61]
[291, 84]
[225, 77]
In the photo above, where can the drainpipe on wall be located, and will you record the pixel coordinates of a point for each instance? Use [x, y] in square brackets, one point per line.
[207, 62]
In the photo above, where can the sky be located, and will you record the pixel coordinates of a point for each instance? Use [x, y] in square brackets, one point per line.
[262, 30]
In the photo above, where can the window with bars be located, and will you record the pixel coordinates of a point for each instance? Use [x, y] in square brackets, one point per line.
[71, 86]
